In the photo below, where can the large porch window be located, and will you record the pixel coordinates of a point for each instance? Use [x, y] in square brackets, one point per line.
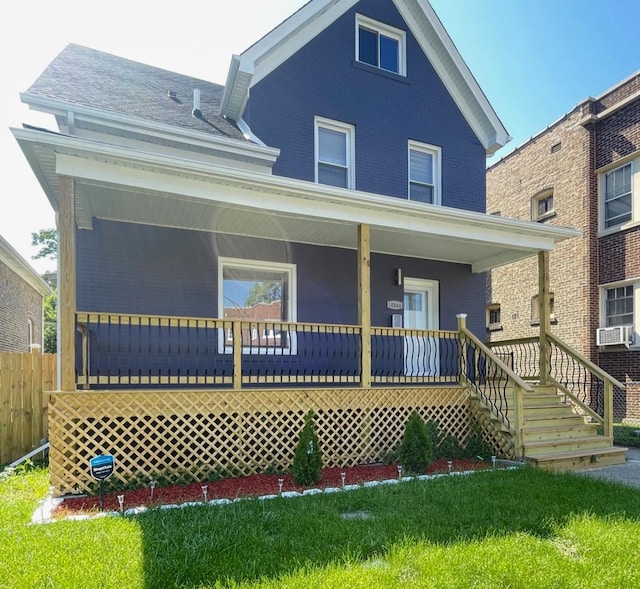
[256, 291]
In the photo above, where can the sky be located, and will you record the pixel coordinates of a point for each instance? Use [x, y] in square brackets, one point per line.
[534, 60]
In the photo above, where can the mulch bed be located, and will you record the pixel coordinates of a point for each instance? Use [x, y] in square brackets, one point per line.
[248, 486]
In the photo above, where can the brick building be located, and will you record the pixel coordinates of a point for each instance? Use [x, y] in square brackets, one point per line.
[22, 293]
[582, 171]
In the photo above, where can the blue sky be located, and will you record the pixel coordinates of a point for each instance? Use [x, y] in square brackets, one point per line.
[534, 59]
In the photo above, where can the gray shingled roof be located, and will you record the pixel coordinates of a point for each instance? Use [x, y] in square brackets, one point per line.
[88, 77]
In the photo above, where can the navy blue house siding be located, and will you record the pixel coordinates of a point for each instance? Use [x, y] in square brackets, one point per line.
[141, 269]
[323, 79]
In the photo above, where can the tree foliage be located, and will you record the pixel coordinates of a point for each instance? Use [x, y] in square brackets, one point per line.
[307, 460]
[267, 291]
[51, 323]
[47, 240]
[416, 449]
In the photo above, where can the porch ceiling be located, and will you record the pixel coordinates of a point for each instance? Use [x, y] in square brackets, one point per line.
[116, 184]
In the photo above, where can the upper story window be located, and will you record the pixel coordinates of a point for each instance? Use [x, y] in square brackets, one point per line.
[617, 196]
[334, 153]
[494, 321]
[380, 45]
[424, 173]
[542, 206]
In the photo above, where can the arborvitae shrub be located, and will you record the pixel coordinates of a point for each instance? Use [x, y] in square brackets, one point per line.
[307, 460]
[416, 449]
[434, 434]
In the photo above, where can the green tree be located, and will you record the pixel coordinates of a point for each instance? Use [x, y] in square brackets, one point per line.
[416, 449]
[51, 323]
[264, 292]
[307, 460]
[47, 240]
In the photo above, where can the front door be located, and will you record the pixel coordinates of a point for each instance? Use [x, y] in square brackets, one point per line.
[421, 353]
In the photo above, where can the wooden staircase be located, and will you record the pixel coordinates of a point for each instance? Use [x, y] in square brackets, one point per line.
[555, 437]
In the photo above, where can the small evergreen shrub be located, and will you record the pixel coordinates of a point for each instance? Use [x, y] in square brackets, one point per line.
[416, 449]
[450, 448]
[477, 446]
[307, 460]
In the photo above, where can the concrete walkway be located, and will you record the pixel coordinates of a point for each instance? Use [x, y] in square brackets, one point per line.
[627, 473]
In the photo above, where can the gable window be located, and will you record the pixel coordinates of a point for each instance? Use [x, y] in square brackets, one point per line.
[334, 153]
[618, 306]
[424, 173]
[618, 196]
[262, 293]
[380, 45]
[542, 206]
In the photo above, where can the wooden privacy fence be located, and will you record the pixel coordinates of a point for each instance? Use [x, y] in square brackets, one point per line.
[25, 380]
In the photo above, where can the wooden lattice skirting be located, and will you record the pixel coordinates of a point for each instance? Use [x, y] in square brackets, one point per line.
[190, 434]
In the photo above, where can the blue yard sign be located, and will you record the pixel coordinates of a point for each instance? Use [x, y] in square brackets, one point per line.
[101, 466]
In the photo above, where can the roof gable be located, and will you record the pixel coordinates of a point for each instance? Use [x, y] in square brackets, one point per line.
[259, 60]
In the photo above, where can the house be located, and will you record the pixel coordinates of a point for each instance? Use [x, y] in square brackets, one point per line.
[22, 293]
[310, 236]
[582, 171]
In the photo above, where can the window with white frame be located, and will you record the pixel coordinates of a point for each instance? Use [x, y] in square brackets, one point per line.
[542, 206]
[494, 321]
[334, 153]
[618, 196]
[380, 45]
[263, 293]
[618, 305]
[424, 173]
[535, 309]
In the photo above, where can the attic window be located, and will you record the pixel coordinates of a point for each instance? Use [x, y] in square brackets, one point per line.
[380, 45]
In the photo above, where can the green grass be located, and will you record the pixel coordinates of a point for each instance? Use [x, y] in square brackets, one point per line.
[523, 528]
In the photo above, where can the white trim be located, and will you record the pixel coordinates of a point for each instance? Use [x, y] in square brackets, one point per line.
[634, 163]
[635, 324]
[424, 365]
[535, 201]
[292, 301]
[15, 262]
[95, 162]
[349, 132]
[434, 151]
[388, 31]
[281, 43]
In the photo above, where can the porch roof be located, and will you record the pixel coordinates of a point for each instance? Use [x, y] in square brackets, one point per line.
[123, 184]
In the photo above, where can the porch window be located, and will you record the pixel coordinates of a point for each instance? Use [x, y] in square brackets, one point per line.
[380, 45]
[424, 173]
[262, 293]
[618, 306]
[334, 153]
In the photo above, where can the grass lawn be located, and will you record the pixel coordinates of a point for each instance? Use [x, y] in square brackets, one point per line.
[498, 529]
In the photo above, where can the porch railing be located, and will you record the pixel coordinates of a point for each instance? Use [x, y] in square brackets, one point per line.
[589, 388]
[125, 350]
[490, 376]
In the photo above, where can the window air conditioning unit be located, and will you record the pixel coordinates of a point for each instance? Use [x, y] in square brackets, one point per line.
[614, 336]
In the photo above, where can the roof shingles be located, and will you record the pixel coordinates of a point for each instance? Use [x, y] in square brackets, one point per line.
[84, 76]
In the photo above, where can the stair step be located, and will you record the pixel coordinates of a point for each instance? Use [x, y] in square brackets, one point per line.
[534, 449]
[556, 431]
[580, 459]
[537, 400]
[547, 411]
[554, 420]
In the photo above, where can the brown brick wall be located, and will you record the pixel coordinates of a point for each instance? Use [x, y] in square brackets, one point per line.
[511, 184]
[618, 135]
[620, 256]
[18, 303]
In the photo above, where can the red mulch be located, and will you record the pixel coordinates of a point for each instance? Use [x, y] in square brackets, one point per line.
[249, 486]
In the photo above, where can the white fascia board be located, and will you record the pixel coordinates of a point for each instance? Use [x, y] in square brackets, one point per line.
[13, 260]
[264, 56]
[151, 128]
[282, 42]
[454, 72]
[290, 196]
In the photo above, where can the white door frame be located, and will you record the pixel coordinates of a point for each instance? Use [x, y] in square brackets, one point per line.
[422, 356]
